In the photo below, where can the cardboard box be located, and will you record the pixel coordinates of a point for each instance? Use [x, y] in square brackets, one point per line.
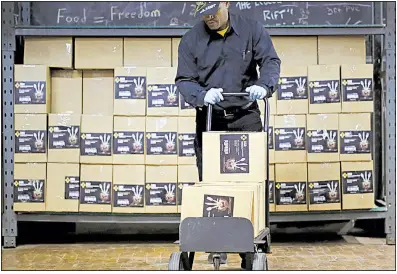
[290, 139]
[186, 136]
[302, 53]
[341, 49]
[63, 187]
[98, 92]
[231, 156]
[129, 140]
[324, 89]
[291, 187]
[161, 141]
[187, 175]
[161, 189]
[30, 138]
[174, 48]
[357, 88]
[67, 91]
[29, 187]
[163, 95]
[55, 52]
[358, 185]
[64, 138]
[292, 95]
[32, 89]
[130, 91]
[147, 52]
[96, 188]
[98, 53]
[355, 137]
[324, 186]
[322, 138]
[185, 109]
[129, 189]
[96, 139]
[272, 177]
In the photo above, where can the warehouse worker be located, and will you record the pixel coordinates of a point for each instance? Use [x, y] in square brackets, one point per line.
[220, 54]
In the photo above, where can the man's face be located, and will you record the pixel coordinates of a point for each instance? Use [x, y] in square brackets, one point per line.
[219, 19]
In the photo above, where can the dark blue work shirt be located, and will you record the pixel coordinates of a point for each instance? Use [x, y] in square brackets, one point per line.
[208, 60]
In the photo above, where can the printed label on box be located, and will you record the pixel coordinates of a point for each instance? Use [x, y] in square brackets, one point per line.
[357, 90]
[290, 139]
[290, 193]
[357, 182]
[130, 87]
[234, 153]
[186, 144]
[93, 192]
[322, 141]
[218, 206]
[185, 105]
[271, 192]
[165, 95]
[160, 194]
[30, 93]
[64, 137]
[161, 143]
[30, 141]
[324, 192]
[322, 92]
[292, 88]
[355, 142]
[128, 195]
[29, 191]
[96, 144]
[128, 142]
[179, 191]
[271, 137]
[72, 188]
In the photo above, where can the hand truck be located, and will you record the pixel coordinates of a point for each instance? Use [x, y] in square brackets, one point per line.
[225, 235]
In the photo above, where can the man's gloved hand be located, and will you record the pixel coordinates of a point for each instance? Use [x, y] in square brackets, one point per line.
[256, 92]
[213, 96]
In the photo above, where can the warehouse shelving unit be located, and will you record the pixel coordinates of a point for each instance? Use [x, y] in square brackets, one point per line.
[16, 23]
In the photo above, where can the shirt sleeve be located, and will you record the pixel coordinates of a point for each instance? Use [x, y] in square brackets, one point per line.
[266, 57]
[187, 76]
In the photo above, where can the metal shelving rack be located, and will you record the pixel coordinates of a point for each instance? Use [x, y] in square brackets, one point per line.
[16, 22]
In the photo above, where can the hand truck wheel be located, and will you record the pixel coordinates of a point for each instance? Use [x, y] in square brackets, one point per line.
[176, 262]
[259, 262]
[217, 263]
[247, 261]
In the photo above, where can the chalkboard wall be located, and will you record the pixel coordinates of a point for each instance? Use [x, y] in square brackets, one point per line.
[180, 14]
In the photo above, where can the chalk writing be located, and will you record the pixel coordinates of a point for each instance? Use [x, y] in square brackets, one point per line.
[277, 14]
[243, 5]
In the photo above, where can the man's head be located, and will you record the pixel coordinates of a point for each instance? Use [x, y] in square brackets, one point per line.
[215, 14]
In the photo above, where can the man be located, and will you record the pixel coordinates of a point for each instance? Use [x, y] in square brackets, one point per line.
[221, 54]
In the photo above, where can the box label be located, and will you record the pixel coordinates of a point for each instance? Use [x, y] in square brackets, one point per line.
[96, 144]
[165, 95]
[290, 139]
[128, 195]
[93, 192]
[185, 105]
[291, 193]
[234, 153]
[29, 191]
[357, 182]
[129, 87]
[322, 141]
[218, 206]
[271, 192]
[128, 142]
[186, 144]
[324, 192]
[292, 88]
[30, 93]
[160, 194]
[64, 137]
[72, 188]
[271, 137]
[324, 92]
[161, 143]
[30, 141]
[355, 142]
[357, 90]
[179, 191]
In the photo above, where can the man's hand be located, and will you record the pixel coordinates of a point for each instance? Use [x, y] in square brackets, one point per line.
[256, 92]
[213, 96]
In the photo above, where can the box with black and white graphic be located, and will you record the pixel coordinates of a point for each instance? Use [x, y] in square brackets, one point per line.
[324, 192]
[271, 192]
[128, 195]
[289, 193]
[357, 90]
[179, 192]
[290, 139]
[64, 137]
[292, 88]
[30, 92]
[94, 192]
[186, 144]
[128, 142]
[356, 142]
[163, 95]
[161, 143]
[130, 87]
[160, 194]
[218, 206]
[72, 188]
[322, 141]
[96, 144]
[357, 182]
[30, 141]
[271, 137]
[327, 91]
[234, 153]
[29, 191]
